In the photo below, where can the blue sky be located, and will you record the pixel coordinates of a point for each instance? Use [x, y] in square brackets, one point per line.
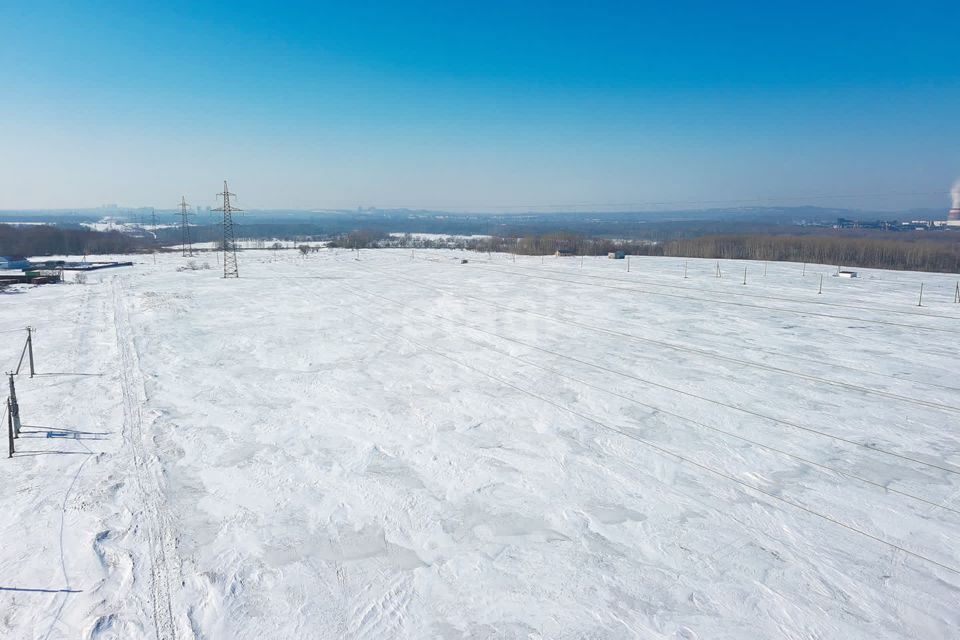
[496, 106]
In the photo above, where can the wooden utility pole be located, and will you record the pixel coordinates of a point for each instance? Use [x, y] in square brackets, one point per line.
[14, 408]
[30, 348]
[9, 430]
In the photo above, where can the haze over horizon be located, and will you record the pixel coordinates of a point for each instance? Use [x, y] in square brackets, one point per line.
[494, 108]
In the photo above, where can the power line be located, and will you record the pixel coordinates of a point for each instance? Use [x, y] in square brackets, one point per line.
[709, 354]
[792, 356]
[153, 223]
[690, 394]
[711, 400]
[744, 294]
[742, 304]
[715, 505]
[655, 408]
[667, 453]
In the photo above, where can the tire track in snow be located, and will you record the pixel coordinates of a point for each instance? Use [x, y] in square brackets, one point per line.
[81, 331]
[160, 539]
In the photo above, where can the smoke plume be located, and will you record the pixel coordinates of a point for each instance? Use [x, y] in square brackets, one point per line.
[955, 192]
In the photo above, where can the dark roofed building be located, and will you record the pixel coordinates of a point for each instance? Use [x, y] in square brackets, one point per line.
[14, 262]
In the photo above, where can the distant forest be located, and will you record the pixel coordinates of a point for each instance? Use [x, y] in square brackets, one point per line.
[940, 253]
[926, 255]
[919, 251]
[45, 240]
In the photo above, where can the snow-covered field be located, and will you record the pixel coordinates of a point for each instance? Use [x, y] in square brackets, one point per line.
[125, 226]
[403, 446]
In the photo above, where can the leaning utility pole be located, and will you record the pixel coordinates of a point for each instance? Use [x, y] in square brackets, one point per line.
[229, 247]
[186, 249]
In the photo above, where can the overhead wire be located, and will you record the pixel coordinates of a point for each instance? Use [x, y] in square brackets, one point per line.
[667, 453]
[689, 349]
[885, 487]
[742, 294]
[790, 557]
[737, 304]
[793, 356]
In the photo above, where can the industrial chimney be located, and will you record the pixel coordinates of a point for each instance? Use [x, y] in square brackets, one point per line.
[953, 218]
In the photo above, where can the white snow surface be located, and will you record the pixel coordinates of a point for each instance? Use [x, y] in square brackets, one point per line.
[125, 226]
[519, 447]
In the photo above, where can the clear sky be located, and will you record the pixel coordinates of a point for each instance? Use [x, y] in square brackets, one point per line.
[482, 105]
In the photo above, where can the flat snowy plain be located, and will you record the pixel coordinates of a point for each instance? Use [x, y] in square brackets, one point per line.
[403, 446]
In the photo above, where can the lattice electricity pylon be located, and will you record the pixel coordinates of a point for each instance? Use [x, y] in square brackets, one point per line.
[186, 249]
[229, 246]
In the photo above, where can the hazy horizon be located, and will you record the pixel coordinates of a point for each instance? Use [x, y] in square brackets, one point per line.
[121, 209]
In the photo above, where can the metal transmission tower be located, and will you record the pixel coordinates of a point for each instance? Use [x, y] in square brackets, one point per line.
[186, 249]
[153, 216]
[229, 246]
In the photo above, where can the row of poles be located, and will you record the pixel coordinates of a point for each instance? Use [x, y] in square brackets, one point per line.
[13, 406]
[956, 293]
[719, 274]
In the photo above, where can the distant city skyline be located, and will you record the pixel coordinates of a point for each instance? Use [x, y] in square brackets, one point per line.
[497, 107]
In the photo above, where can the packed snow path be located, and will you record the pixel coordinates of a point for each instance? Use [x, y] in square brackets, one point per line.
[407, 446]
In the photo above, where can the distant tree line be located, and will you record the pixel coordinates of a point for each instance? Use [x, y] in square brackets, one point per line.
[564, 241]
[362, 239]
[40, 240]
[915, 252]
[941, 255]
[929, 255]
